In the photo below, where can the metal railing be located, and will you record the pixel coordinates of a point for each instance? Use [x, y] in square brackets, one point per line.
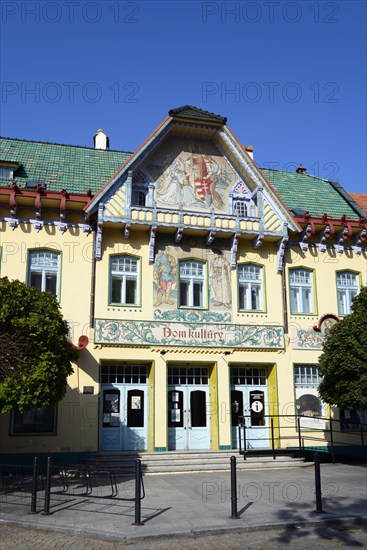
[280, 432]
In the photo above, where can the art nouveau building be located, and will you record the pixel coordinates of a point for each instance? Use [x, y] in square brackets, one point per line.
[203, 283]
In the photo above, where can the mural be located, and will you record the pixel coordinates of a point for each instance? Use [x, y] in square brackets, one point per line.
[220, 282]
[190, 175]
[165, 271]
[166, 277]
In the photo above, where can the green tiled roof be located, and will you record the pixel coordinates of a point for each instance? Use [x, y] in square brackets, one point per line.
[76, 169]
[315, 195]
[190, 112]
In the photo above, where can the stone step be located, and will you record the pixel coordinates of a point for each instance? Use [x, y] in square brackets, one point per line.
[176, 461]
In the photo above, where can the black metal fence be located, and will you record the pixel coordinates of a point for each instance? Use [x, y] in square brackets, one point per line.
[34, 485]
[300, 433]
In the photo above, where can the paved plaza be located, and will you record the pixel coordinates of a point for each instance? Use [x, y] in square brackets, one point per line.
[275, 507]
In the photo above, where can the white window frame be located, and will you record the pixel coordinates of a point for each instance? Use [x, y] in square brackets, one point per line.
[129, 270]
[189, 273]
[346, 290]
[50, 265]
[302, 295]
[249, 282]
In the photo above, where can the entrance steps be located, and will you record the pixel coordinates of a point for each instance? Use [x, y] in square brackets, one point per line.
[191, 461]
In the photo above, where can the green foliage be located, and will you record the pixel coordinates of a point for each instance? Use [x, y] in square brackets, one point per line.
[35, 357]
[343, 363]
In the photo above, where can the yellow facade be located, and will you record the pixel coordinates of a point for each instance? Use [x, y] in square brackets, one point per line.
[182, 358]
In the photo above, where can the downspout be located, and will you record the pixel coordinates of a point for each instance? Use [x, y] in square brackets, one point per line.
[93, 283]
[284, 298]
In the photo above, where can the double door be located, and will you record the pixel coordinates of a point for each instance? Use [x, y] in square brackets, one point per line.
[188, 418]
[251, 403]
[123, 424]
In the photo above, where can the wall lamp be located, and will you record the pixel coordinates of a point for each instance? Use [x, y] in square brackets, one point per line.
[225, 355]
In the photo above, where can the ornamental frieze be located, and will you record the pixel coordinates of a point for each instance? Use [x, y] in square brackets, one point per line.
[143, 333]
[308, 339]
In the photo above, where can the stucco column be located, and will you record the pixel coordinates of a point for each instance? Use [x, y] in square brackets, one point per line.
[160, 405]
[224, 405]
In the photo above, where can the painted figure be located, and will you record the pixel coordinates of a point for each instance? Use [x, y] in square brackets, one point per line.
[220, 282]
[165, 275]
[206, 172]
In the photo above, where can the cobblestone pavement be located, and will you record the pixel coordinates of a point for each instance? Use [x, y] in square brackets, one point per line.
[316, 538]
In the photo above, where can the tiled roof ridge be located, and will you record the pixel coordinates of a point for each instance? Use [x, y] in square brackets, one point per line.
[178, 110]
[295, 173]
[65, 145]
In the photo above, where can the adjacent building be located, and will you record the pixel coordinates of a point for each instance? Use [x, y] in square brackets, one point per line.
[204, 284]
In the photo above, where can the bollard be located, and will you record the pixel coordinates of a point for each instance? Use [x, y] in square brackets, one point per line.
[46, 511]
[299, 437]
[138, 493]
[244, 440]
[34, 486]
[234, 514]
[318, 483]
[272, 439]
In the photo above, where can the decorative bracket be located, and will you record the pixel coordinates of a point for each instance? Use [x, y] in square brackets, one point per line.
[306, 234]
[341, 237]
[258, 241]
[325, 234]
[12, 201]
[86, 228]
[234, 246]
[153, 231]
[37, 224]
[64, 196]
[210, 237]
[179, 234]
[360, 238]
[127, 230]
[280, 253]
[12, 222]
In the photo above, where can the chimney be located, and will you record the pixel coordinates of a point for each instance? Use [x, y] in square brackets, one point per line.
[249, 150]
[301, 169]
[101, 140]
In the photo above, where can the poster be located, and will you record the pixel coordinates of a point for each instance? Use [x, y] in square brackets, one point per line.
[136, 402]
[309, 407]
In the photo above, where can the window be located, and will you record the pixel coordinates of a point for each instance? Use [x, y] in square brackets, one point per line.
[183, 375]
[242, 208]
[43, 271]
[301, 287]
[250, 287]
[308, 403]
[124, 280]
[347, 286]
[37, 422]
[353, 420]
[138, 197]
[192, 281]
[124, 374]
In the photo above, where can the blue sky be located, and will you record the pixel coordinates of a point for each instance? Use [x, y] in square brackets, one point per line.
[289, 76]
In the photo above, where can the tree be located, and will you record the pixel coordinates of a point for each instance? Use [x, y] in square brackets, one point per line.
[35, 355]
[343, 363]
